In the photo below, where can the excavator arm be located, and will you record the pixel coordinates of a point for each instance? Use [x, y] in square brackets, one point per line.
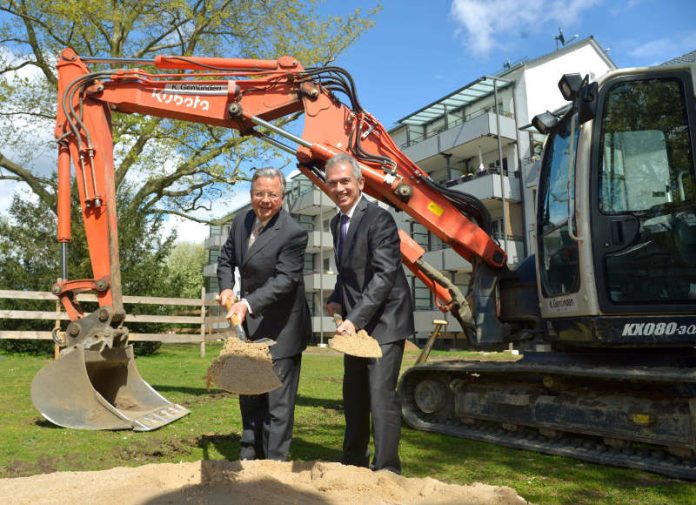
[95, 384]
[247, 95]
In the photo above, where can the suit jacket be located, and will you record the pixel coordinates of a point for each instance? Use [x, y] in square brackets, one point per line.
[371, 284]
[271, 280]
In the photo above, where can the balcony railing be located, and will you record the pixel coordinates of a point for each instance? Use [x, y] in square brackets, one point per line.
[416, 137]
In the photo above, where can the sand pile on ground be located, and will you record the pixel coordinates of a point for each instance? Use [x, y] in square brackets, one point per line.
[245, 483]
[243, 368]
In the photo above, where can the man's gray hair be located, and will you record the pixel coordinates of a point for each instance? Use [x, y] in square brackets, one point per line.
[271, 173]
[344, 158]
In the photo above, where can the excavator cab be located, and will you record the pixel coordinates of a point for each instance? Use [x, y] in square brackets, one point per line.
[617, 213]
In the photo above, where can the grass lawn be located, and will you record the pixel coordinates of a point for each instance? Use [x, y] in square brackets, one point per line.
[31, 445]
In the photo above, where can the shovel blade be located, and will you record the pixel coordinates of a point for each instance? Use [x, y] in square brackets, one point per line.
[243, 368]
[100, 390]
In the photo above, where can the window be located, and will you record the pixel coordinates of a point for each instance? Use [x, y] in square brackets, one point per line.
[213, 255]
[422, 297]
[558, 251]
[211, 285]
[647, 193]
[308, 264]
[420, 234]
[306, 222]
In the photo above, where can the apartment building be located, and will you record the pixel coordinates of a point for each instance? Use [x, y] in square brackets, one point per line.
[476, 140]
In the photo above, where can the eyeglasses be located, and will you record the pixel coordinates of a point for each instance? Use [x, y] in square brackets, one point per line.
[260, 195]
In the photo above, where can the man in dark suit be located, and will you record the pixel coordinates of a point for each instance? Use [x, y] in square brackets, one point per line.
[371, 293]
[267, 246]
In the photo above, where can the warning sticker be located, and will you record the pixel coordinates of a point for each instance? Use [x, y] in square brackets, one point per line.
[435, 209]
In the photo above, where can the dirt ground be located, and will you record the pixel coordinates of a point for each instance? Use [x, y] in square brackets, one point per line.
[245, 483]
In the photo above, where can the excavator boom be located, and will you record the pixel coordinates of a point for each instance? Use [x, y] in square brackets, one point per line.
[247, 96]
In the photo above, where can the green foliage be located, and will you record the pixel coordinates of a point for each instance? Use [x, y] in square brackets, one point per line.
[185, 270]
[32, 347]
[180, 167]
[30, 261]
[146, 348]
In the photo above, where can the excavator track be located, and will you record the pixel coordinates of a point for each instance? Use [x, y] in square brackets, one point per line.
[625, 415]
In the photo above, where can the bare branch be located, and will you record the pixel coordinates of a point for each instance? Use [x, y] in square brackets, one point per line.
[37, 184]
[212, 222]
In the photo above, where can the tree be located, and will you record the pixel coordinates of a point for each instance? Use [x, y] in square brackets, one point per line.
[174, 167]
[30, 259]
[185, 270]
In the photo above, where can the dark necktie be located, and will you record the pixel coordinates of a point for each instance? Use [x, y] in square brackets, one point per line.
[342, 232]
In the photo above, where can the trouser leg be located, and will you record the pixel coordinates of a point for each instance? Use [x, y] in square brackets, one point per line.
[253, 409]
[356, 407]
[386, 407]
[280, 420]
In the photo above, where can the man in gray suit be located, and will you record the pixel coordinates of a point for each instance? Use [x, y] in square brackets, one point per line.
[371, 293]
[267, 246]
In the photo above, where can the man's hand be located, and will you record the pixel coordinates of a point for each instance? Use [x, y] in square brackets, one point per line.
[333, 308]
[239, 308]
[346, 328]
[224, 296]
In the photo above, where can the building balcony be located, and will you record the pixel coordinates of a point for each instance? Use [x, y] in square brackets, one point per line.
[214, 242]
[317, 282]
[448, 260]
[423, 322]
[324, 325]
[487, 186]
[210, 270]
[312, 203]
[319, 241]
[463, 140]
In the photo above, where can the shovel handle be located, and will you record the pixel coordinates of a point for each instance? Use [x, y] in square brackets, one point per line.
[229, 301]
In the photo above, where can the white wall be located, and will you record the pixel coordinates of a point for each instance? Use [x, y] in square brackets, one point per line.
[541, 81]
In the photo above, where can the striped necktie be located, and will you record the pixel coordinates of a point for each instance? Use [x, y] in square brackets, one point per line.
[255, 233]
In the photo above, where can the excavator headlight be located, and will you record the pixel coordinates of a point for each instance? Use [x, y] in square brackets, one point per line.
[570, 85]
[544, 122]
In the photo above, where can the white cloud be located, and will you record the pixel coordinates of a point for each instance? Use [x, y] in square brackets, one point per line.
[660, 50]
[486, 23]
[191, 231]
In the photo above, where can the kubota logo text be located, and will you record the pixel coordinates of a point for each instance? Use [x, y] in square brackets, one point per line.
[188, 95]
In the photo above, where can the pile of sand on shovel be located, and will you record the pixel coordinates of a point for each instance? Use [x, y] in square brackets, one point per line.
[243, 368]
[358, 344]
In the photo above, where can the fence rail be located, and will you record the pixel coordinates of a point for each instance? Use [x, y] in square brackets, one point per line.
[202, 318]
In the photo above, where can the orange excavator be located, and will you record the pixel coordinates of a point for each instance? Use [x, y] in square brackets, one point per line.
[605, 312]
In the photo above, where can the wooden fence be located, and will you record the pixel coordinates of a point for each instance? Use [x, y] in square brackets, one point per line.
[202, 317]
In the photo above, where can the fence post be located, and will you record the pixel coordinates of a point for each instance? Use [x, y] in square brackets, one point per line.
[203, 322]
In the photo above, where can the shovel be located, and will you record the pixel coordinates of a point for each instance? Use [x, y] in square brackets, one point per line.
[358, 344]
[243, 367]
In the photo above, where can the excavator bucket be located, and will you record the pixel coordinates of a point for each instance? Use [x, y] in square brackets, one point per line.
[100, 390]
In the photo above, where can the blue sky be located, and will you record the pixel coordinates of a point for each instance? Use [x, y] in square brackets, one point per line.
[420, 50]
